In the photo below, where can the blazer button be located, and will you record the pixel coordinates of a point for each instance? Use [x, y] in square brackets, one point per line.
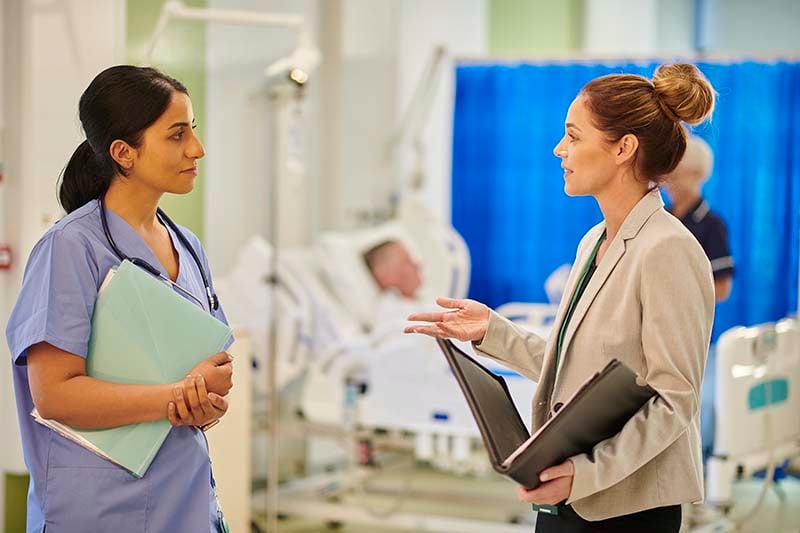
[557, 407]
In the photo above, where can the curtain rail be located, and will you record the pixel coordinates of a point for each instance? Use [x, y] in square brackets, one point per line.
[790, 56]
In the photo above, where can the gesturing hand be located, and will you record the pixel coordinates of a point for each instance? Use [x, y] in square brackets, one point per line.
[467, 320]
[193, 405]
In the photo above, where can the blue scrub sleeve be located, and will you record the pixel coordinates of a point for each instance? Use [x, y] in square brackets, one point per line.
[718, 252]
[57, 297]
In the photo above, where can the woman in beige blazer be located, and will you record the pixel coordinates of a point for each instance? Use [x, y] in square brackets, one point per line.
[640, 291]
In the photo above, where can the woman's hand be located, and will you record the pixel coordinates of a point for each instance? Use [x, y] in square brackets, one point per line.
[193, 405]
[555, 488]
[467, 321]
[217, 371]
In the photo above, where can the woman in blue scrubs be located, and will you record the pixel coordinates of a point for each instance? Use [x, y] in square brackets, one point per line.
[139, 145]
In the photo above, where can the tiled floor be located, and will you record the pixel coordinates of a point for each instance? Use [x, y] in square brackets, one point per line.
[466, 495]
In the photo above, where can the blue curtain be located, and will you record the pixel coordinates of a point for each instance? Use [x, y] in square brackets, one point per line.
[509, 204]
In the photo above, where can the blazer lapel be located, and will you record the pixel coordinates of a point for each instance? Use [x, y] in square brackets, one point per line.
[548, 364]
[614, 253]
[648, 205]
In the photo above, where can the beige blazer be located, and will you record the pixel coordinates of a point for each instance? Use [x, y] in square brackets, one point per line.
[650, 304]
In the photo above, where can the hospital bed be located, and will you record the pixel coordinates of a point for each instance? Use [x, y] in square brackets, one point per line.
[352, 376]
[757, 407]
[327, 335]
[360, 380]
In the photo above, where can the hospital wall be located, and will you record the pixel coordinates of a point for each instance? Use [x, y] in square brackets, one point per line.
[12, 486]
[525, 28]
[460, 26]
[373, 54]
[747, 27]
[181, 53]
[48, 59]
[616, 27]
[239, 164]
[537, 28]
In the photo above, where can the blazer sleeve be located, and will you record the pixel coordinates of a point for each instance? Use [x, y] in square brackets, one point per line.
[513, 346]
[517, 347]
[677, 304]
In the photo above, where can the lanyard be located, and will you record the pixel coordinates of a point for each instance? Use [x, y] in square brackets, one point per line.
[575, 296]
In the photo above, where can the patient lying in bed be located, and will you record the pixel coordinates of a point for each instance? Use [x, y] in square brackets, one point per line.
[393, 268]
[398, 275]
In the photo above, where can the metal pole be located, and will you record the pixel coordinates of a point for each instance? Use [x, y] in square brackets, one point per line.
[273, 464]
[283, 98]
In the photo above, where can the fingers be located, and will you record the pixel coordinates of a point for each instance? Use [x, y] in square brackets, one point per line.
[431, 331]
[202, 393]
[220, 358]
[450, 331]
[451, 303]
[564, 469]
[438, 316]
[180, 405]
[219, 379]
[172, 415]
[555, 488]
[218, 402]
[550, 493]
[426, 317]
[227, 375]
[190, 393]
[465, 331]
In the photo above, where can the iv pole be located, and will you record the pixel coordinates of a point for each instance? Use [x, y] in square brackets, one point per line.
[297, 67]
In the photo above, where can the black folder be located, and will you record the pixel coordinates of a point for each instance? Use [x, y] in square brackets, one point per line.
[597, 411]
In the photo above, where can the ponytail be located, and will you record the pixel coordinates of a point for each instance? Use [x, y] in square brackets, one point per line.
[86, 177]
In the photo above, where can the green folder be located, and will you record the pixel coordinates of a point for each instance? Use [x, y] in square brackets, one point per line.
[142, 332]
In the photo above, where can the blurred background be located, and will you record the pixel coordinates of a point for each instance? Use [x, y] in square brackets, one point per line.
[335, 128]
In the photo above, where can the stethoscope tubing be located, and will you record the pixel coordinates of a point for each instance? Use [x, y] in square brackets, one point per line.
[213, 301]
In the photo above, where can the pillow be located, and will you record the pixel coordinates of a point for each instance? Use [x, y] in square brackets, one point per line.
[346, 273]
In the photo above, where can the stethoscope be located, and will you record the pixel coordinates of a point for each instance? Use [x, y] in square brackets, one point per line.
[213, 301]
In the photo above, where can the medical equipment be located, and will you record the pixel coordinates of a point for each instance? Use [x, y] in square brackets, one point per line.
[289, 168]
[327, 298]
[213, 301]
[364, 383]
[230, 445]
[400, 374]
[297, 66]
[757, 404]
[412, 126]
[535, 317]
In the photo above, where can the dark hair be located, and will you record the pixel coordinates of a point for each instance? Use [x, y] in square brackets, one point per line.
[653, 111]
[120, 103]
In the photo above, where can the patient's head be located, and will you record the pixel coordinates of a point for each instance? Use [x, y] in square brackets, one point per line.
[393, 268]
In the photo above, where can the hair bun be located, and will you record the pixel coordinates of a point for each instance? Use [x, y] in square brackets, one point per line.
[683, 92]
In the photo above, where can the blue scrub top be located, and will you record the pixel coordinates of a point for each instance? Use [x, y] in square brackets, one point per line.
[72, 489]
